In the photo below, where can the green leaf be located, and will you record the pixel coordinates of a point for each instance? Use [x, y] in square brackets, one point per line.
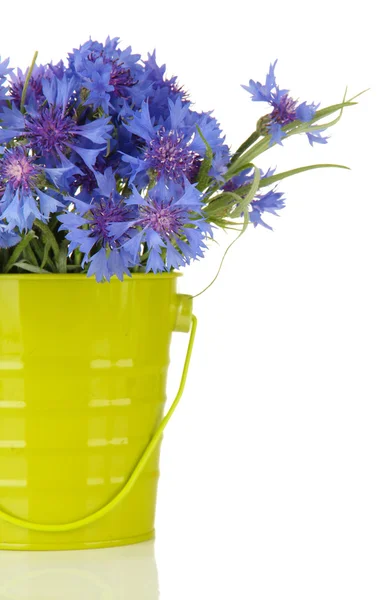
[225, 224]
[17, 251]
[77, 257]
[30, 268]
[274, 178]
[29, 255]
[45, 255]
[203, 178]
[37, 248]
[48, 237]
[222, 202]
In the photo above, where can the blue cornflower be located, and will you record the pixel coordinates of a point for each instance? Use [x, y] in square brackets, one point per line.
[270, 203]
[169, 226]
[88, 228]
[100, 88]
[159, 89]
[285, 109]
[22, 201]
[34, 92]
[52, 130]
[173, 150]
[107, 71]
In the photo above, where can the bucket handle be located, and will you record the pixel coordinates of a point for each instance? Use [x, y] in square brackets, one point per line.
[135, 473]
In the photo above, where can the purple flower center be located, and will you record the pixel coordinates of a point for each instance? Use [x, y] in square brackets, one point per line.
[164, 219]
[34, 88]
[105, 212]
[120, 77]
[284, 111]
[18, 170]
[169, 155]
[50, 130]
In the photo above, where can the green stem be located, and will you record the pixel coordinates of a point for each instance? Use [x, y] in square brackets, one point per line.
[241, 232]
[48, 237]
[62, 259]
[77, 257]
[25, 86]
[18, 250]
[259, 131]
[245, 146]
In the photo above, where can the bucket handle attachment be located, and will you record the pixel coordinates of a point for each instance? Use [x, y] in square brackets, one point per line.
[101, 512]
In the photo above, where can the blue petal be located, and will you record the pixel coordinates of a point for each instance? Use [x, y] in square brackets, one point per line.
[13, 213]
[305, 112]
[117, 264]
[71, 220]
[99, 266]
[135, 198]
[185, 249]
[153, 239]
[60, 175]
[97, 131]
[48, 204]
[277, 134]
[116, 230]
[178, 112]
[174, 259]
[12, 117]
[106, 182]
[255, 218]
[155, 262]
[191, 197]
[141, 124]
[316, 137]
[7, 198]
[8, 134]
[8, 239]
[88, 155]
[133, 245]
[30, 211]
[58, 91]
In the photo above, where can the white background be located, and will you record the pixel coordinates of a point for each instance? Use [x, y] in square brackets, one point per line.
[273, 471]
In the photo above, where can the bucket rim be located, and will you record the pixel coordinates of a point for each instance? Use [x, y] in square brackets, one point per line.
[83, 276]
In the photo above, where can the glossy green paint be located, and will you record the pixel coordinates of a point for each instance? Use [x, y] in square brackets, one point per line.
[83, 371]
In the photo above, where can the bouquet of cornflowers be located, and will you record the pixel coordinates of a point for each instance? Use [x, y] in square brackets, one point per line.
[107, 169]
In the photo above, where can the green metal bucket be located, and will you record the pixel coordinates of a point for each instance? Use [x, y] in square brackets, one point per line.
[83, 370]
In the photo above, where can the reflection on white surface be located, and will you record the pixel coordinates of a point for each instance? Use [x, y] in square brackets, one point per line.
[111, 574]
